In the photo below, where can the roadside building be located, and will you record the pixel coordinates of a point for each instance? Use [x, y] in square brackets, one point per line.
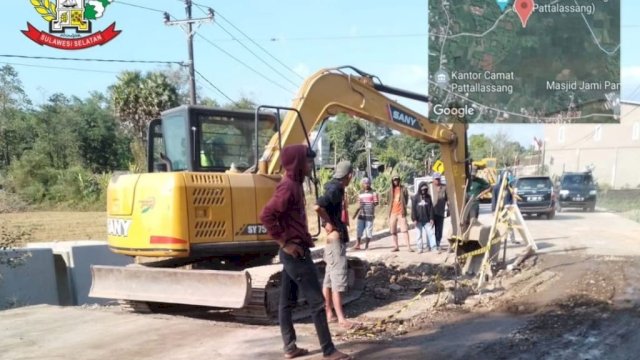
[610, 150]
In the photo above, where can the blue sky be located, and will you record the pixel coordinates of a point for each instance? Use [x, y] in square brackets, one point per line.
[384, 38]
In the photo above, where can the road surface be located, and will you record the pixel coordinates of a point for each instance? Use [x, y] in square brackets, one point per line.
[593, 254]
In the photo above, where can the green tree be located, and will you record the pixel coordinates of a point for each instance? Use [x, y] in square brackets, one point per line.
[55, 128]
[103, 145]
[244, 103]
[480, 146]
[505, 150]
[137, 99]
[347, 136]
[13, 103]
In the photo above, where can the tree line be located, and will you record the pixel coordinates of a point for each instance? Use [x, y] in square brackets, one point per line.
[61, 153]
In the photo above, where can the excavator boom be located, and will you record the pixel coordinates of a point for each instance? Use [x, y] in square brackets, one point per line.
[329, 92]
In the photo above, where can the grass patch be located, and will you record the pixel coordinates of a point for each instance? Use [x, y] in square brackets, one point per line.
[58, 225]
[624, 202]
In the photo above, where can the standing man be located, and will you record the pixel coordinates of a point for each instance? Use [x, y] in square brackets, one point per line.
[398, 198]
[285, 219]
[439, 207]
[330, 208]
[368, 200]
[422, 216]
[477, 187]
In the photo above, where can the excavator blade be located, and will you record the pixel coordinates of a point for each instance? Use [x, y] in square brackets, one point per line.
[223, 289]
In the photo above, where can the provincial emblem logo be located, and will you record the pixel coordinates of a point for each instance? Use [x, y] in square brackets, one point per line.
[71, 19]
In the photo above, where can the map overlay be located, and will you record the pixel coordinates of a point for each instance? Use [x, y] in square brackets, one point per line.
[524, 61]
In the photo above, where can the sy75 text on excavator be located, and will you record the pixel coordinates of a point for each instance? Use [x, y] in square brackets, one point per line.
[192, 221]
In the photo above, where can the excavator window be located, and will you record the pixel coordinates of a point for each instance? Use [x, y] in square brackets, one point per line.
[175, 141]
[228, 142]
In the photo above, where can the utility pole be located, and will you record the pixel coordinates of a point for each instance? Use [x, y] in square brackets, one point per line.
[187, 26]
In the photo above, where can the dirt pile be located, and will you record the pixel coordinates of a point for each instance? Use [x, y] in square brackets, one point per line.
[410, 295]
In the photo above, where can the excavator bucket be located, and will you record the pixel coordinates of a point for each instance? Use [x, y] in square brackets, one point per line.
[223, 289]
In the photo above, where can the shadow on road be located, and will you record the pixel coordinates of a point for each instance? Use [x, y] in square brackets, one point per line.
[563, 216]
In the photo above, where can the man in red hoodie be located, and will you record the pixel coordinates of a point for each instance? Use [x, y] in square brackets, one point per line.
[285, 219]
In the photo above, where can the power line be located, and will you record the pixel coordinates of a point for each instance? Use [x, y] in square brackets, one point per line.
[328, 37]
[255, 43]
[59, 68]
[244, 64]
[138, 6]
[347, 37]
[249, 50]
[215, 87]
[217, 47]
[91, 60]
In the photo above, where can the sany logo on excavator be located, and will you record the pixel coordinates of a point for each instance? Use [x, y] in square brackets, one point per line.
[118, 227]
[403, 118]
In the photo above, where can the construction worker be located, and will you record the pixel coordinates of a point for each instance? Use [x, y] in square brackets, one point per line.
[477, 188]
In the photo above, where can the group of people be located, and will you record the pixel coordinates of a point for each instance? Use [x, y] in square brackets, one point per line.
[285, 219]
[427, 213]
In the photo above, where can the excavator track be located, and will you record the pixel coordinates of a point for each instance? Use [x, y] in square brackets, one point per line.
[262, 307]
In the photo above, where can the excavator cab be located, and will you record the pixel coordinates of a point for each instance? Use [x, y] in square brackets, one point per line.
[204, 139]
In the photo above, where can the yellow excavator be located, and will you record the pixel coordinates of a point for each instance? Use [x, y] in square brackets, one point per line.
[192, 221]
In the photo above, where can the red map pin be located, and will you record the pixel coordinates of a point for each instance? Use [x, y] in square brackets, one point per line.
[524, 8]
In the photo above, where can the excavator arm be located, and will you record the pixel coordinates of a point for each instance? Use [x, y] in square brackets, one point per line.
[332, 91]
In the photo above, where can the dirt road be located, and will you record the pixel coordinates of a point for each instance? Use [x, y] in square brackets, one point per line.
[577, 299]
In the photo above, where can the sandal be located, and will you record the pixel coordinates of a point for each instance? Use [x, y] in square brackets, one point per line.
[296, 353]
[395, 250]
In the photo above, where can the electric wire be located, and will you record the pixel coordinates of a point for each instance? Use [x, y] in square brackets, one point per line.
[254, 42]
[249, 50]
[138, 6]
[92, 60]
[59, 67]
[215, 87]
[244, 64]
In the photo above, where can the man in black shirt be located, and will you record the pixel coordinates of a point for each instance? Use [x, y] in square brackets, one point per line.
[331, 207]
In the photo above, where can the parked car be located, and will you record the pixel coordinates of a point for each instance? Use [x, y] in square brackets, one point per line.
[536, 196]
[577, 190]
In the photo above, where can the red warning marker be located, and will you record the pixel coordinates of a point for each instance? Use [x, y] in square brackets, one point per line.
[524, 8]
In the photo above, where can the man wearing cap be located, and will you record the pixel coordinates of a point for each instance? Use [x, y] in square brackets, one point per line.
[368, 200]
[330, 207]
[439, 206]
[285, 219]
[398, 199]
